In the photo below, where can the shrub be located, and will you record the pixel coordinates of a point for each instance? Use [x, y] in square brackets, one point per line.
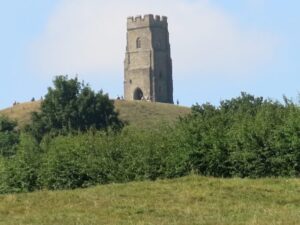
[245, 137]
[92, 158]
[74, 161]
[20, 172]
[9, 137]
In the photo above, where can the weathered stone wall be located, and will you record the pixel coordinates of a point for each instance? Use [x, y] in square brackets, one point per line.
[148, 64]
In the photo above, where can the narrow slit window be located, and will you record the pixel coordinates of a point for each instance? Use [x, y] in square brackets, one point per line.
[138, 43]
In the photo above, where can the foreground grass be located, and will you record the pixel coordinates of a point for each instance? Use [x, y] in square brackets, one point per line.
[136, 113]
[190, 200]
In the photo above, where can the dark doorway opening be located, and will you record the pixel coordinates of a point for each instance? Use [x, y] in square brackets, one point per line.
[138, 94]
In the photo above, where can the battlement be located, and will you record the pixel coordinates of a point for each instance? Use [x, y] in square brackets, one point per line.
[147, 21]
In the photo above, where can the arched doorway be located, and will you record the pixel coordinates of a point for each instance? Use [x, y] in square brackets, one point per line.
[138, 94]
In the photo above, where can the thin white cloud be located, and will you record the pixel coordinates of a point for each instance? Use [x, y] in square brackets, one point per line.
[89, 37]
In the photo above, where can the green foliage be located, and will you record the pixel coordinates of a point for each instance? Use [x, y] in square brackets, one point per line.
[9, 137]
[95, 158]
[72, 162]
[20, 172]
[244, 136]
[3, 185]
[73, 106]
[150, 154]
[6, 124]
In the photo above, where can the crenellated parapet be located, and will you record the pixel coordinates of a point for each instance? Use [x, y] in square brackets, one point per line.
[147, 21]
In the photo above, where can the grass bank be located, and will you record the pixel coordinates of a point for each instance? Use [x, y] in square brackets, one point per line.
[190, 200]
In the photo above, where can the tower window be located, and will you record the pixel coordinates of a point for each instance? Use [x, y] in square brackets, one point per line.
[138, 43]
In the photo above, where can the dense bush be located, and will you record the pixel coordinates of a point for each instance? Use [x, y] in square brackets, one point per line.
[3, 184]
[20, 172]
[245, 137]
[74, 161]
[9, 137]
[82, 160]
[95, 158]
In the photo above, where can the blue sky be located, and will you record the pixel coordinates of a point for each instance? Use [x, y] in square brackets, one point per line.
[219, 48]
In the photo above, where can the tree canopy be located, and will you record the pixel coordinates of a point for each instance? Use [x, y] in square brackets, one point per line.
[73, 106]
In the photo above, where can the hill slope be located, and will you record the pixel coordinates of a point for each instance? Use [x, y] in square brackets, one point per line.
[190, 200]
[137, 113]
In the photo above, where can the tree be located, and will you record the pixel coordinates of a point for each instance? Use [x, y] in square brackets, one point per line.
[73, 106]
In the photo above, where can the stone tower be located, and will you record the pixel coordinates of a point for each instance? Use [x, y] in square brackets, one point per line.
[148, 64]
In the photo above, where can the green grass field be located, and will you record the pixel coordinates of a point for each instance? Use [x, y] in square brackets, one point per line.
[190, 200]
[137, 113]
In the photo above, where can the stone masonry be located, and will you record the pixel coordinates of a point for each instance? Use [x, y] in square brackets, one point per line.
[148, 64]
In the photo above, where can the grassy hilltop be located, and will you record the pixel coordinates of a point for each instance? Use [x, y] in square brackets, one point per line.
[137, 113]
[185, 201]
